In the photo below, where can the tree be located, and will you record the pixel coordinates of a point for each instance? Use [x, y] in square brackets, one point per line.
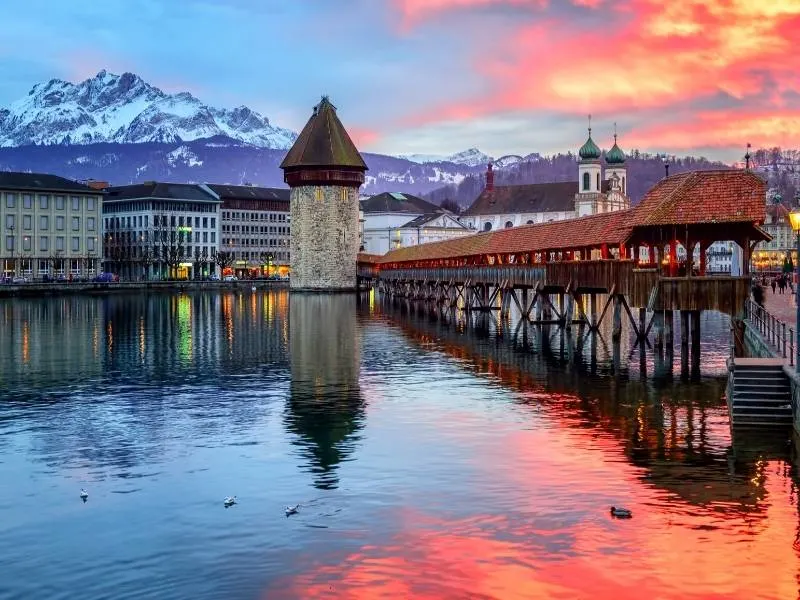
[200, 259]
[223, 259]
[451, 205]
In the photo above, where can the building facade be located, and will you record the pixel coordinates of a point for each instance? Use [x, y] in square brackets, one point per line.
[324, 171]
[595, 192]
[161, 231]
[51, 227]
[256, 230]
[770, 256]
[393, 220]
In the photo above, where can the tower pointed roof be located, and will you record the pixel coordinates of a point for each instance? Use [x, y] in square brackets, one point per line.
[323, 142]
[589, 151]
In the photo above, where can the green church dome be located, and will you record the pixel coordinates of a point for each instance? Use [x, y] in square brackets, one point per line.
[589, 151]
[615, 156]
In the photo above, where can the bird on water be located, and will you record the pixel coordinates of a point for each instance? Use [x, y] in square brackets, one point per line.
[229, 501]
[84, 494]
[621, 513]
[292, 510]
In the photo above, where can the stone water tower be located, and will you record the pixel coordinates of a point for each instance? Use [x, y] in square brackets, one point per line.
[324, 171]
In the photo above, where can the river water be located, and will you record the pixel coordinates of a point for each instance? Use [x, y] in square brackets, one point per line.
[432, 458]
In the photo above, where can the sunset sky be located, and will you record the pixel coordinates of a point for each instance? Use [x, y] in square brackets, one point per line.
[439, 76]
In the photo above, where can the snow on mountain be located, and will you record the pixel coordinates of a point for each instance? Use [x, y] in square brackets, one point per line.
[126, 109]
[507, 161]
[472, 158]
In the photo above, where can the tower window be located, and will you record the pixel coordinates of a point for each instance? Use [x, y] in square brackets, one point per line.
[487, 226]
[586, 181]
[343, 194]
[623, 185]
[509, 224]
[598, 182]
[318, 193]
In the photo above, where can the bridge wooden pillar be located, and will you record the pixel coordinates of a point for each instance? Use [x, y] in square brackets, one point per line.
[593, 310]
[658, 330]
[695, 344]
[569, 310]
[616, 329]
[684, 344]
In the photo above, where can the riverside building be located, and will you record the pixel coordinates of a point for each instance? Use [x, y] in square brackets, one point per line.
[159, 230]
[51, 226]
[256, 230]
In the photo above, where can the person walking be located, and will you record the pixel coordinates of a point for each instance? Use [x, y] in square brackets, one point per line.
[774, 284]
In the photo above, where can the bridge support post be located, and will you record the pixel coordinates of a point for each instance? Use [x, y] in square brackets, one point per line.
[669, 323]
[658, 326]
[642, 324]
[616, 329]
[695, 344]
[684, 344]
[569, 310]
[593, 310]
[524, 303]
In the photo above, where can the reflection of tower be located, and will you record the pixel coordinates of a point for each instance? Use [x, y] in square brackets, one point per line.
[324, 170]
[325, 407]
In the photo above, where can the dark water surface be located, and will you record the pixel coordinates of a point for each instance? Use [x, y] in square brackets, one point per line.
[432, 459]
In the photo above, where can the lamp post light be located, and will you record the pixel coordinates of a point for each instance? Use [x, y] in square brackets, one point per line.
[794, 219]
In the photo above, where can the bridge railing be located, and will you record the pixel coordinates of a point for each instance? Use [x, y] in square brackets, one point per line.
[773, 330]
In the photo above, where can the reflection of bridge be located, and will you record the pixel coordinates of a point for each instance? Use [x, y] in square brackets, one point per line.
[673, 434]
[630, 257]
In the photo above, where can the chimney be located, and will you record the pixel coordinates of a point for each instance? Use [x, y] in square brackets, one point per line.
[666, 167]
[489, 179]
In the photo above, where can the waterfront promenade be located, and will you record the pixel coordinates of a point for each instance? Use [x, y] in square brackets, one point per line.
[57, 289]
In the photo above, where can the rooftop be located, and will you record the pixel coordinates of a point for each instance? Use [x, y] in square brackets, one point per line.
[394, 202]
[155, 189]
[323, 142]
[527, 198]
[249, 192]
[42, 182]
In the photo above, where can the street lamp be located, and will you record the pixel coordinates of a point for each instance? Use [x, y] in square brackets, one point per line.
[794, 219]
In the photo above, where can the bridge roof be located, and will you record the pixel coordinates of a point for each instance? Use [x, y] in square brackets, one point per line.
[609, 228]
[702, 197]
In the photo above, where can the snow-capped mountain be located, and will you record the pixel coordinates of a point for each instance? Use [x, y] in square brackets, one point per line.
[471, 157]
[126, 109]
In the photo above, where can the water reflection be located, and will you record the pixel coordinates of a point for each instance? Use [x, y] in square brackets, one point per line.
[325, 408]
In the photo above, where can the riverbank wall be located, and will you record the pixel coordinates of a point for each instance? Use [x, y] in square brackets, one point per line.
[33, 290]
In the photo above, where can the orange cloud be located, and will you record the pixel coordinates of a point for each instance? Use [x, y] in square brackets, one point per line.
[648, 54]
[361, 136]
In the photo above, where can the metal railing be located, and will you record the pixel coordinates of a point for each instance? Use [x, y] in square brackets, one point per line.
[773, 330]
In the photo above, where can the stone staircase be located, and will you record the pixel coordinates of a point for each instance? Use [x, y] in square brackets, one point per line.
[759, 394]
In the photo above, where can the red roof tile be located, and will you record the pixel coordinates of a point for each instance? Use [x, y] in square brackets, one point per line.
[732, 196]
[609, 228]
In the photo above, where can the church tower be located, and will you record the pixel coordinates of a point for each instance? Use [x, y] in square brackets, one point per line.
[615, 165]
[324, 171]
[589, 178]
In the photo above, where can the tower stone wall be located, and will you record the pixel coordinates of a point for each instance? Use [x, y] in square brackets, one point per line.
[325, 239]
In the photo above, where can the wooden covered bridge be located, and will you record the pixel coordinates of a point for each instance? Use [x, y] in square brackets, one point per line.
[629, 258]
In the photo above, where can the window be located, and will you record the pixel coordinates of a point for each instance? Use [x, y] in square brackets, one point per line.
[196, 236]
[26, 243]
[27, 201]
[586, 182]
[10, 222]
[59, 202]
[90, 223]
[213, 223]
[509, 224]
[487, 226]
[27, 222]
[43, 223]
[60, 243]
[43, 243]
[530, 222]
[197, 221]
[90, 203]
[9, 242]
[205, 221]
[213, 237]
[205, 237]
[76, 223]
[44, 202]
[76, 202]
[76, 244]
[11, 200]
[90, 244]
[60, 223]
[598, 182]
[623, 185]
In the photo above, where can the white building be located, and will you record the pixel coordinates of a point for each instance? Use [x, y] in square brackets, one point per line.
[51, 226]
[393, 220]
[256, 229]
[161, 230]
[514, 205]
